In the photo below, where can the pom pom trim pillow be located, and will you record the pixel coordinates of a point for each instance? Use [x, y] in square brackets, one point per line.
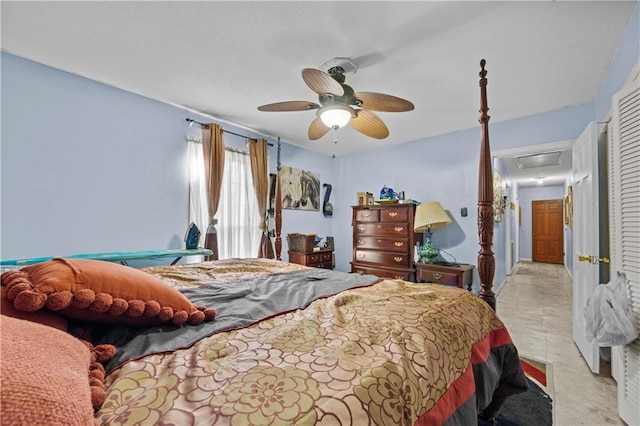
[100, 291]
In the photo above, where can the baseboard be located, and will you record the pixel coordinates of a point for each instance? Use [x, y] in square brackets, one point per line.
[525, 259]
[568, 272]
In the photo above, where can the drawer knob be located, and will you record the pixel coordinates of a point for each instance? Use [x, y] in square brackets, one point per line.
[398, 259]
[437, 276]
[361, 228]
[361, 255]
[399, 228]
[360, 271]
[360, 242]
[393, 214]
[398, 243]
[398, 277]
[366, 214]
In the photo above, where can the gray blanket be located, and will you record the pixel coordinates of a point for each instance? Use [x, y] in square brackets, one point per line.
[238, 304]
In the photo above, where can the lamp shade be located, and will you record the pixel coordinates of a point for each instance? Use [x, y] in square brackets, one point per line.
[335, 116]
[430, 215]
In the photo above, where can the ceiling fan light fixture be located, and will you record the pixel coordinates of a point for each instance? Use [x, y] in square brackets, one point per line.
[335, 116]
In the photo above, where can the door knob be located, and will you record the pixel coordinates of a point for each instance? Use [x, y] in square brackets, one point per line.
[593, 259]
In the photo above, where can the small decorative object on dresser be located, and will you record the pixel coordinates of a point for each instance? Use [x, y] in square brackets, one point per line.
[457, 275]
[364, 199]
[383, 241]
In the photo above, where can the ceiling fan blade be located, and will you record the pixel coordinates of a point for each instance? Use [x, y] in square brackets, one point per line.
[317, 129]
[321, 82]
[381, 102]
[368, 123]
[289, 106]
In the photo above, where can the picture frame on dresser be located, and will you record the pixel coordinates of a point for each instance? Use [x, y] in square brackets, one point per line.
[384, 241]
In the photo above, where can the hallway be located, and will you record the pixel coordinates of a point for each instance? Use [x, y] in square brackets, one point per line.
[536, 305]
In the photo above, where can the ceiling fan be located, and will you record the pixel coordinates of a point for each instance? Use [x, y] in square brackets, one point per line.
[340, 105]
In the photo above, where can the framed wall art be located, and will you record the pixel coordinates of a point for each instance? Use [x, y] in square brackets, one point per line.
[300, 189]
[499, 201]
[570, 206]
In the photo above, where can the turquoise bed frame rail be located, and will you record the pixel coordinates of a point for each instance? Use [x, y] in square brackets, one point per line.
[116, 256]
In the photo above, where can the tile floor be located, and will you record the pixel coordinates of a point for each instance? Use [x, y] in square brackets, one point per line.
[538, 313]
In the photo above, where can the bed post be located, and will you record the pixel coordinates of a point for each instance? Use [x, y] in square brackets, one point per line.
[278, 214]
[486, 259]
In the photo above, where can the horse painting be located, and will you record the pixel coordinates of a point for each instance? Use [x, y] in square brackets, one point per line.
[300, 189]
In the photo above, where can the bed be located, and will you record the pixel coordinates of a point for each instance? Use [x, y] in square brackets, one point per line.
[255, 341]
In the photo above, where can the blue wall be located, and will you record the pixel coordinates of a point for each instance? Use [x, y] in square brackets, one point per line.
[87, 167]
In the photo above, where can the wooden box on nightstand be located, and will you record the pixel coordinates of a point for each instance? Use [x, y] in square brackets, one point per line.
[459, 276]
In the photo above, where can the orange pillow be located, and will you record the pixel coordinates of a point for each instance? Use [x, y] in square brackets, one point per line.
[42, 316]
[44, 376]
[99, 291]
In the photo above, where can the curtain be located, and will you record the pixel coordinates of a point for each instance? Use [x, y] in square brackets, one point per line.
[239, 229]
[198, 210]
[214, 153]
[259, 171]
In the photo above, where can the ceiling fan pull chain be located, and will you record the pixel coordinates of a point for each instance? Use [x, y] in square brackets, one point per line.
[335, 140]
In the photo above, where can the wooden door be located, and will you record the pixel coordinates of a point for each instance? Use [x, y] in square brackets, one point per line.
[548, 241]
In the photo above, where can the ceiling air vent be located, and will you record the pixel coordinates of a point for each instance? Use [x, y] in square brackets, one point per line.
[553, 158]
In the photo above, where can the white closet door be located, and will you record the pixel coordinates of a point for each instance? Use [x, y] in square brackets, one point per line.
[585, 237]
[624, 228]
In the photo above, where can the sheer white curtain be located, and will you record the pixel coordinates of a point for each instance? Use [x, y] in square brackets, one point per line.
[238, 215]
[198, 210]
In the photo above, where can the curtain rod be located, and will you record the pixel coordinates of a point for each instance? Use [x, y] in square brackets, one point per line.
[206, 126]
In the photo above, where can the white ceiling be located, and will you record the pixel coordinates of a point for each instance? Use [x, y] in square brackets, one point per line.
[225, 58]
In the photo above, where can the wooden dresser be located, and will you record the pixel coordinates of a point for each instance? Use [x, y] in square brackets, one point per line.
[384, 241]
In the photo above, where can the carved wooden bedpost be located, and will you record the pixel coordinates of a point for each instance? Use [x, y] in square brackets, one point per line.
[486, 259]
[278, 215]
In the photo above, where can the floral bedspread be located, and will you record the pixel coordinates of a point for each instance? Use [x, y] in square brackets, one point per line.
[219, 271]
[390, 353]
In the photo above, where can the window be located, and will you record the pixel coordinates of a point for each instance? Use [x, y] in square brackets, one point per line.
[238, 216]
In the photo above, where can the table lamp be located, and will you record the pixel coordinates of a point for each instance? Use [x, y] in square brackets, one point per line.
[429, 215]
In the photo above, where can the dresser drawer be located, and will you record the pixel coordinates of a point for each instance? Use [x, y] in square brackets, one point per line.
[321, 259]
[458, 275]
[397, 215]
[382, 229]
[399, 260]
[382, 273]
[367, 215]
[314, 259]
[385, 244]
[439, 277]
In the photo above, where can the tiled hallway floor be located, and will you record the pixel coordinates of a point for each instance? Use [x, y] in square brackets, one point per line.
[538, 313]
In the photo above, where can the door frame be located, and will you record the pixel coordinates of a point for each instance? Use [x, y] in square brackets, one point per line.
[533, 236]
[524, 150]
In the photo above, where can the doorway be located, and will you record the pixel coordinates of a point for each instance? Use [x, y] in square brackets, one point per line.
[547, 231]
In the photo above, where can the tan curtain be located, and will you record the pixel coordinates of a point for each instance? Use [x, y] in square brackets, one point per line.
[213, 150]
[260, 172]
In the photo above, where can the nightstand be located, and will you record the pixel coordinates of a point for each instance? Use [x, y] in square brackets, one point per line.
[317, 259]
[441, 274]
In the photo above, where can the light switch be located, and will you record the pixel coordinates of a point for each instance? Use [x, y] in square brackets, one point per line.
[463, 212]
